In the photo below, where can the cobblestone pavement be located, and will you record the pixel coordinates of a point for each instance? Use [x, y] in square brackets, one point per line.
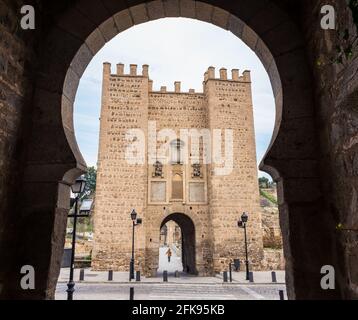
[167, 291]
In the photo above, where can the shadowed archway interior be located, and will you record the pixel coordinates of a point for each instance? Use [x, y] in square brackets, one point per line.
[188, 240]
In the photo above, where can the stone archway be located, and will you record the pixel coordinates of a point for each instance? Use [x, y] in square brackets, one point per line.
[188, 240]
[53, 160]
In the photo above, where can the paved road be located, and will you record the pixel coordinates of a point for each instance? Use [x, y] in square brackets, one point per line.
[96, 286]
[260, 277]
[167, 291]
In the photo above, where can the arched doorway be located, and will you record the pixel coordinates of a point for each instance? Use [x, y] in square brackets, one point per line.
[188, 247]
[53, 160]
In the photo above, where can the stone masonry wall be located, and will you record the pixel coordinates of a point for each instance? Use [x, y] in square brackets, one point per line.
[16, 56]
[120, 187]
[230, 107]
[178, 110]
[337, 116]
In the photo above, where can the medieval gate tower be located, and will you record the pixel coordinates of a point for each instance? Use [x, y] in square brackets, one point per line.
[205, 200]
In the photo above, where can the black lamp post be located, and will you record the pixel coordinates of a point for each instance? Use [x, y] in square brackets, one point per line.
[242, 224]
[136, 222]
[77, 190]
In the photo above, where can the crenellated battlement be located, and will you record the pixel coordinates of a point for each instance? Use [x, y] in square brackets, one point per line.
[177, 89]
[120, 71]
[210, 74]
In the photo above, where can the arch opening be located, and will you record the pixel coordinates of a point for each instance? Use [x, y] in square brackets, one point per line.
[294, 140]
[187, 241]
[237, 27]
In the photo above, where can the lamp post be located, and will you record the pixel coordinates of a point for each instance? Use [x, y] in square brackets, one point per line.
[77, 190]
[242, 224]
[136, 222]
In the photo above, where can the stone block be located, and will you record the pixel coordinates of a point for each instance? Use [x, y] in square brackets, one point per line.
[71, 84]
[155, 10]
[236, 26]
[250, 37]
[109, 29]
[204, 11]
[139, 14]
[95, 41]
[81, 60]
[264, 54]
[220, 18]
[171, 8]
[187, 8]
[123, 20]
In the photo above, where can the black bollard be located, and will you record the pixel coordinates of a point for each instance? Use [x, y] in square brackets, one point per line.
[165, 276]
[230, 271]
[131, 294]
[177, 275]
[225, 276]
[138, 276]
[251, 276]
[282, 295]
[273, 275]
[82, 275]
[110, 275]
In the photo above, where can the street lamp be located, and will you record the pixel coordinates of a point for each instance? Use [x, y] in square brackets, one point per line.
[136, 222]
[242, 224]
[77, 189]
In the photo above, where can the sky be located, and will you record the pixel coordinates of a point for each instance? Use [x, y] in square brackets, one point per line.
[176, 49]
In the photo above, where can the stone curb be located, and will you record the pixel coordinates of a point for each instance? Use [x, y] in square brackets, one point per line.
[177, 283]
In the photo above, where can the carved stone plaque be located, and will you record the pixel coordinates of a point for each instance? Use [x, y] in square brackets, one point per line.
[158, 191]
[196, 192]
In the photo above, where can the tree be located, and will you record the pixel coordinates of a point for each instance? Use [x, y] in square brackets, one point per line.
[91, 180]
[264, 182]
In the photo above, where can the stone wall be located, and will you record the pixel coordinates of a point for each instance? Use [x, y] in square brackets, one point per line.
[337, 116]
[16, 85]
[272, 236]
[120, 187]
[273, 260]
[230, 107]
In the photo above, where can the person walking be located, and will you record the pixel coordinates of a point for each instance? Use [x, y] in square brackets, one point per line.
[169, 254]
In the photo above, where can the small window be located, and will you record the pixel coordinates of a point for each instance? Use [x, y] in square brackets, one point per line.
[176, 151]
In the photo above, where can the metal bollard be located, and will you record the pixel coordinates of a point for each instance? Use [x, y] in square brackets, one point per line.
[230, 271]
[273, 275]
[138, 276]
[251, 276]
[282, 295]
[225, 276]
[165, 276]
[82, 275]
[177, 274]
[131, 294]
[110, 275]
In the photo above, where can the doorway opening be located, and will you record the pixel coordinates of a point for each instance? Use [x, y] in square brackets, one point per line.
[171, 249]
[293, 141]
[177, 245]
